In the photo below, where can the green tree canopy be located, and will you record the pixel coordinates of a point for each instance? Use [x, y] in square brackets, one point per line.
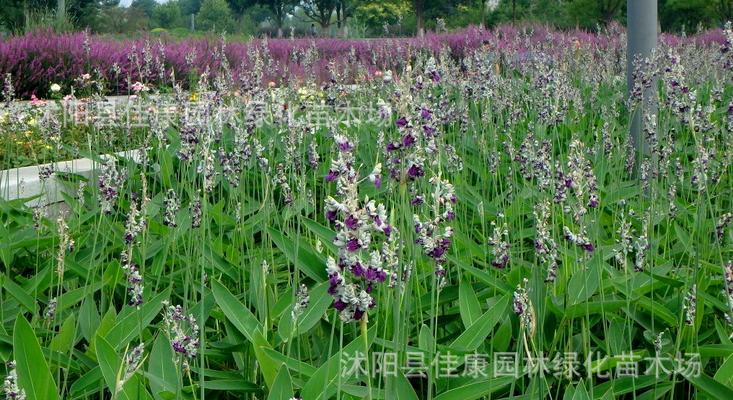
[214, 15]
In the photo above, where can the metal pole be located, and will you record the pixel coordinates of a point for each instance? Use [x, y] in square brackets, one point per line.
[641, 40]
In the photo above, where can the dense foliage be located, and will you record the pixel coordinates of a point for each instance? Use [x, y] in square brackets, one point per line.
[451, 209]
[360, 17]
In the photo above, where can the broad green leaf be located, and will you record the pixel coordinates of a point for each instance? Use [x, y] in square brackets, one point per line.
[322, 385]
[475, 334]
[88, 384]
[403, 389]
[243, 319]
[25, 299]
[283, 387]
[711, 386]
[64, 340]
[301, 255]
[33, 373]
[477, 389]
[325, 235]
[162, 366]
[724, 374]
[583, 284]
[232, 385]
[468, 303]
[581, 393]
[425, 339]
[112, 367]
[133, 320]
[320, 301]
[89, 318]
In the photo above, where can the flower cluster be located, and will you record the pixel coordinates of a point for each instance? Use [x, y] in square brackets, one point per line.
[581, 179]
[302, 299]
[360, 264]
[134, 278]
[625, 240]
[579, 239]
[544, 245]
[183, 331]
[66, 244]
[133, 361]
[690, 305]
[135, 221]
[110, 183]
[522, 306]
[728, 292]
[172, 205]
[196, 212]
[641, 245]
[534, 158]
[10, 384]
[50, 312]
[723, 223]
[500, 243]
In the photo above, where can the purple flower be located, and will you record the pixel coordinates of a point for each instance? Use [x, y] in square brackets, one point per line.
[415, 172]
[353, 245]
[408, 140]
[425, 113]
[346, 146]
[351, 222]
[332, 175]
[358, 270]
[331, 215]
[339, 305]
[401, 122]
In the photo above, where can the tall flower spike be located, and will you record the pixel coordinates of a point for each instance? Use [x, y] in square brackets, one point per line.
[690, 305]
[172, 205]
[359, 268]
[522, 306]
[302, 299]
[110, 184]
[183, 331]
[500, 242]
[728, 292]
[133, 360]
[134, 278]
[10, 384]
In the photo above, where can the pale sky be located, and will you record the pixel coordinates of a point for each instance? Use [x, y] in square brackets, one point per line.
[126, 3]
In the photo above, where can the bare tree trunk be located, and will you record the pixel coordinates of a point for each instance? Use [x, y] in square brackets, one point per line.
[60, 10]
[483, 13]
[418, 4]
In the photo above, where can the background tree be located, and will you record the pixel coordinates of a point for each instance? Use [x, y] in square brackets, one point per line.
[146, 6]
[688, 15]
[214, 15]
[724, 9]
[189, 7]
[376, 14]
[320, 12]
[239, 7]
[168, 15]
[280, 10]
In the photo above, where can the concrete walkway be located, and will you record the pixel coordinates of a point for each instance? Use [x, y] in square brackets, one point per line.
[24, 182]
